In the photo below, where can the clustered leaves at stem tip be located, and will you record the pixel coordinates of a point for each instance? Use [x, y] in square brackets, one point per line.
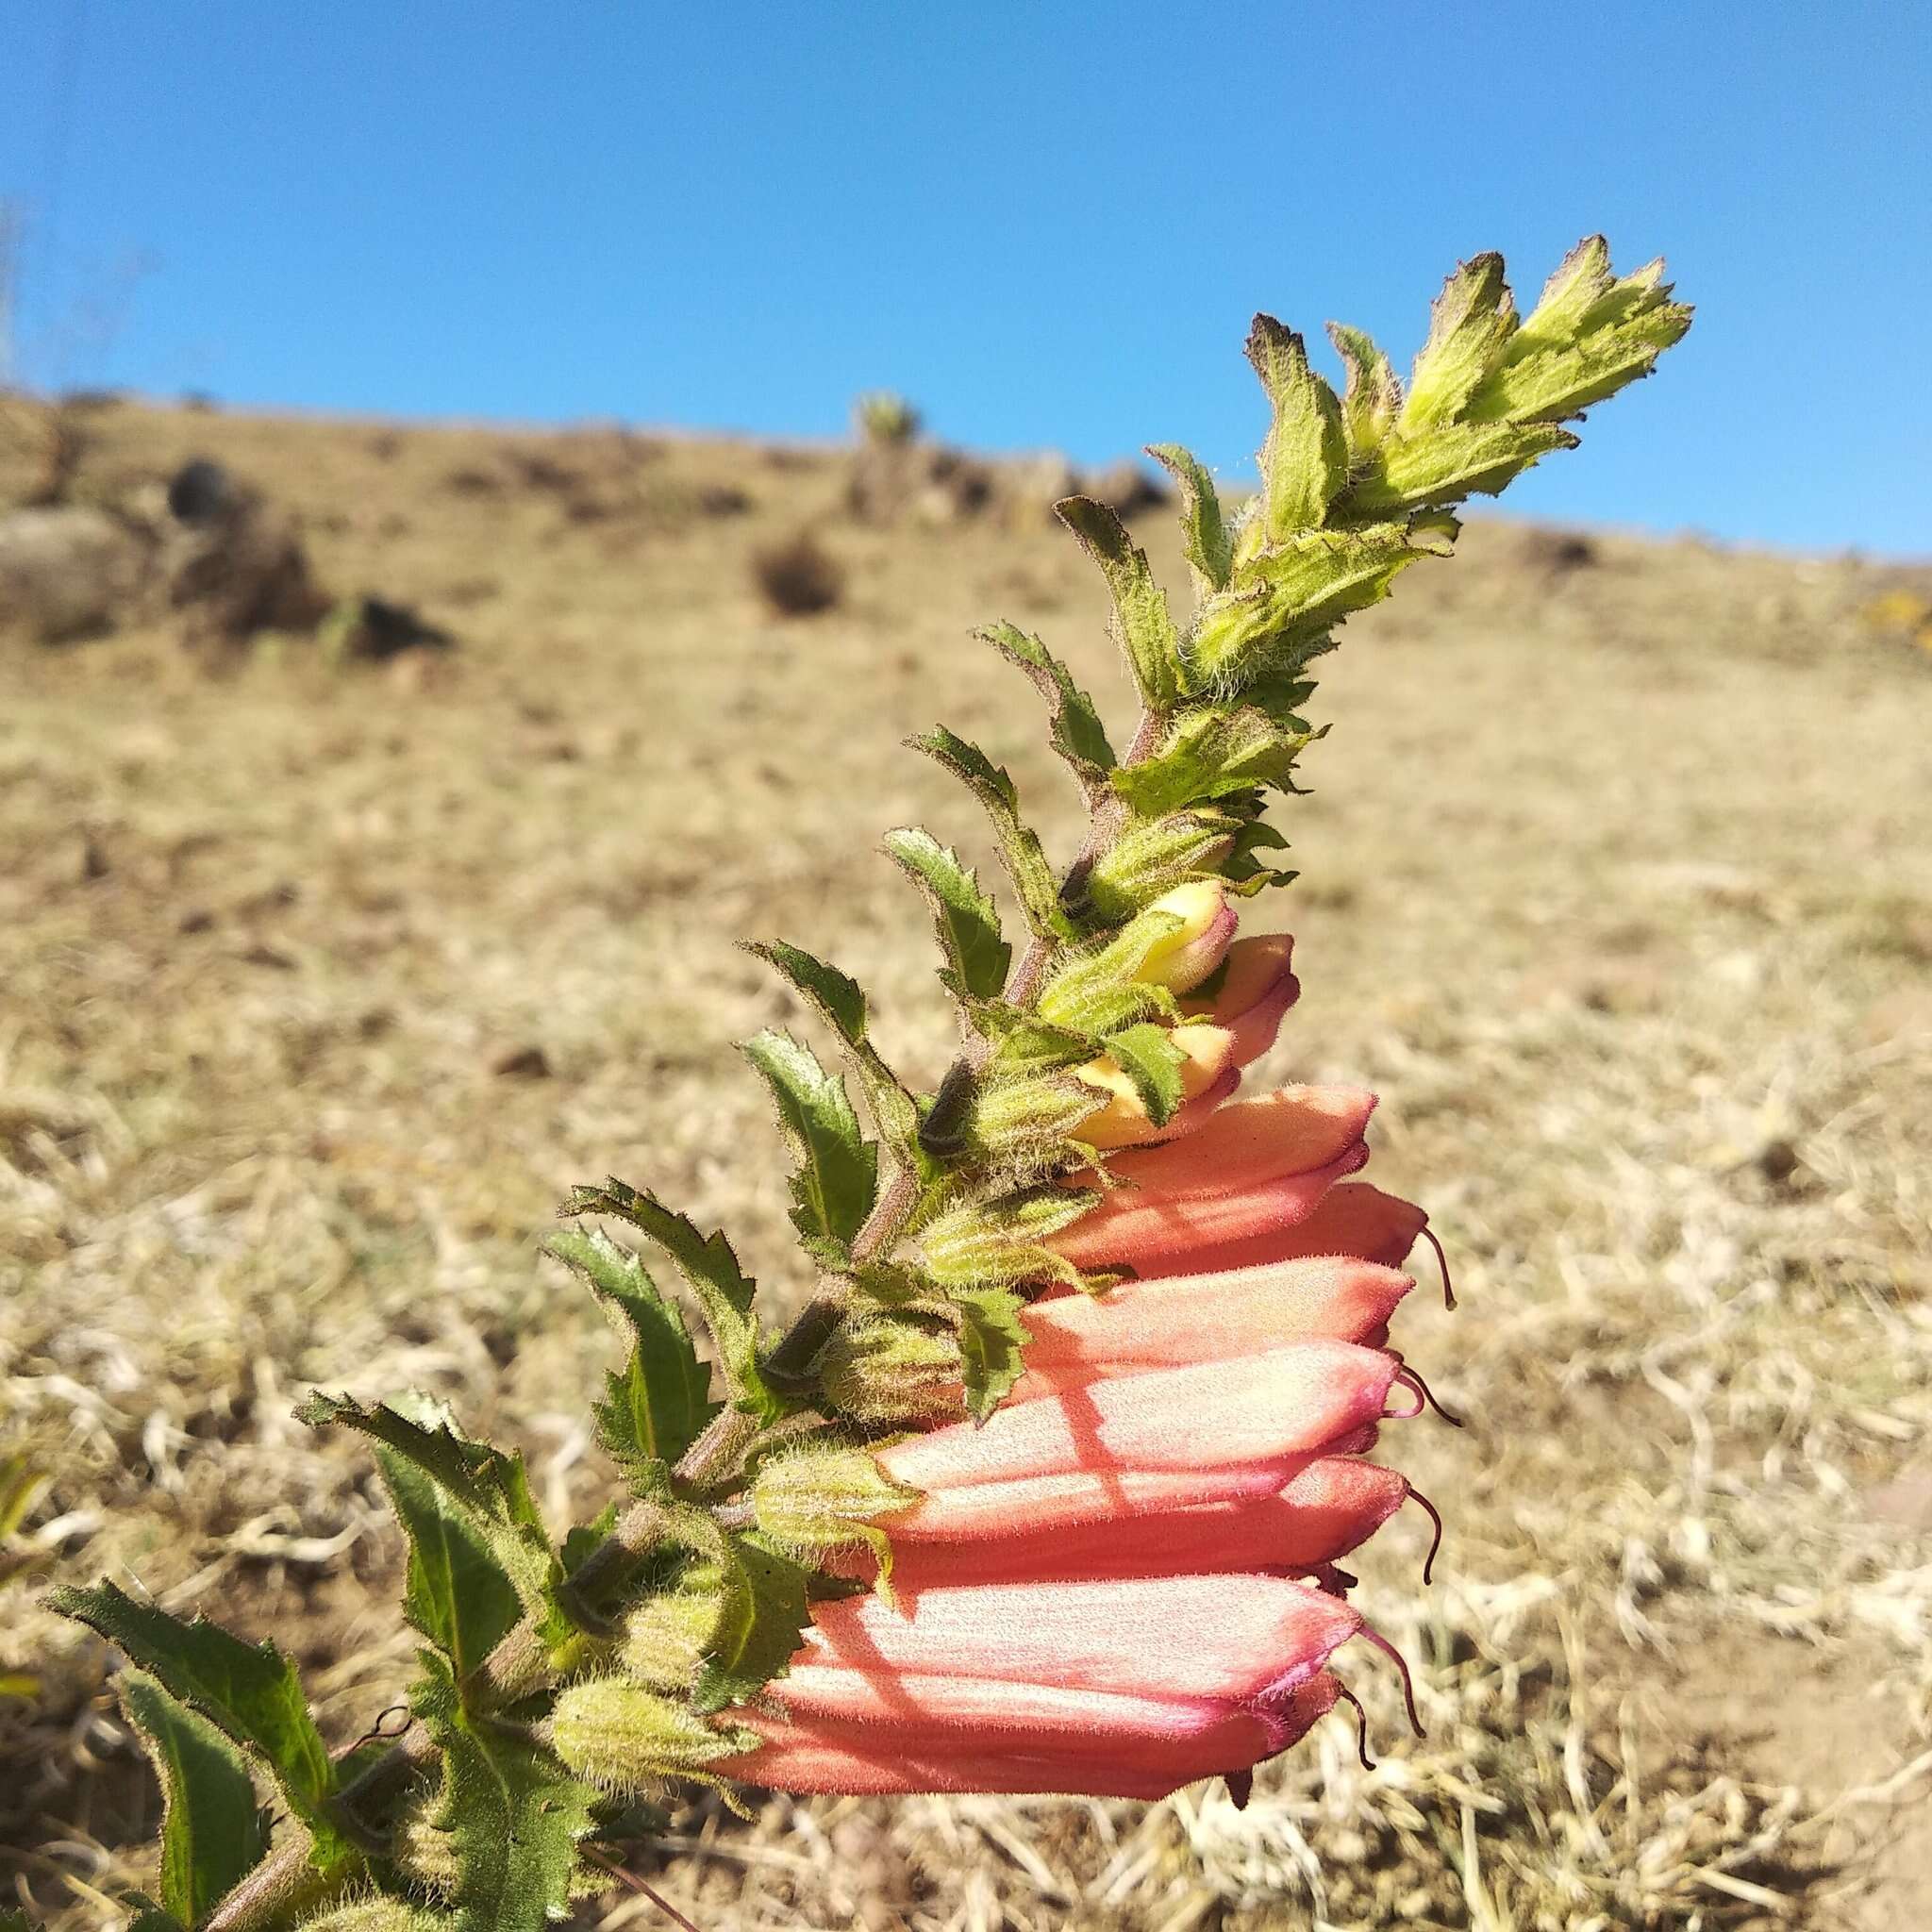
[561, 1685]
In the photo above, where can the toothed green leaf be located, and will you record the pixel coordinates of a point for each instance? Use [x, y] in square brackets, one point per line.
[512, 1815]
[1470, 323]
[1283, 603]
[1075, 730]
[1147, 1055]
[1449, 463]
[1372, 399]
[213, 1833]
[991, 1337]
[1146, 628]
[764, 1619]
[1205, 538]
[838, 1174]
[1025, 862]
[489, 1491]
[724, 1291]
[250, 1691]
[968, 922]
[839, 999]
[659, 1406]
[1305, 459]
[1210, 754]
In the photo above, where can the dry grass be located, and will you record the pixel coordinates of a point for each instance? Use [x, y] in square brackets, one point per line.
[321, 985]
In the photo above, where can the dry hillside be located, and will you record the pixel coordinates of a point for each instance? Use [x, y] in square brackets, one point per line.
[319, 983]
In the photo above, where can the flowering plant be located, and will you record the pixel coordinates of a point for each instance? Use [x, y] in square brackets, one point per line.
[1047, 1486]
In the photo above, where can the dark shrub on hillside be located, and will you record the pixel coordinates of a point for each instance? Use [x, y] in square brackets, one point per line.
[798, 577]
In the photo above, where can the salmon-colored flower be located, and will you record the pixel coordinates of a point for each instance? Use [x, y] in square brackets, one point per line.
[1137, 1684]
[1255, 992]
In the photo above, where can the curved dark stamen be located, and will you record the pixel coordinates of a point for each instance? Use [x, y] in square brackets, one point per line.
[1401, 1663]
[1442, 1262]
[1362, 1725]
[1415, 1495]
[1405, 1415]
[1407, 1374]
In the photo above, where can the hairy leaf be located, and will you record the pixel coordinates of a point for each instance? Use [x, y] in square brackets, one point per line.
[1372, 399]
[1020, 848]
[513, 1814]
[1205, 538]
[1209, 754]
[659, 1406]
[1075, 730]
[991, 1337]
[1449, 463]
[212, 1832]
[765, 1615]
[1145, 627]
[489, 1490]
[724, 1291]
[839, 1168]
[250, 1691]
[1469, 325]
[1284, 602]
[1305, 458]
[968, 922]
[839, 999]
[1147, 1055]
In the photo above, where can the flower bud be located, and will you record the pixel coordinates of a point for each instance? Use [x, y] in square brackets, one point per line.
[999, 1243]
[1255, 990]
[887, 1369]
[665, 1636]
[1185, 956]
[822, 1497]
[1027, 1112]
[1155, 856]
[624, 1738]
[1123, 1121]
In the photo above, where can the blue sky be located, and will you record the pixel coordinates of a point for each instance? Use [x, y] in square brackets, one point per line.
[1047, 224]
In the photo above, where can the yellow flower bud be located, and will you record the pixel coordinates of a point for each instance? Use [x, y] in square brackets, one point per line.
[1207, 1057]
[624, 1738]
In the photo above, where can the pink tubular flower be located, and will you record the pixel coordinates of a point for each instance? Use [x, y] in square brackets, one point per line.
[1061, 1686]
[1351, 1218]
[1224, 1423]
[1077, 1339]
[1084, 1759]
[1330, 1505]
[1256, 993]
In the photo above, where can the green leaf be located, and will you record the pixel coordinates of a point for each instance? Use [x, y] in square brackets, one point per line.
[836, 994]
[1025, 862]
[833, 1190]
[1210, 754]
[660, 1405]
[1075, 730]
[1284, 602]
[513, 1816]
[839, 1000]
[968, 922]
[250, 1691]
[991, 1337]
[1204, 539]
[1449, 463]
[1372, 399]
[1588, 336]
[1470, 323]
[764, 1618]
[489, 1491]
[1147, 1055]
[1144, 626]
[212, 1832]
[722, 1290]
[1305, 459]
